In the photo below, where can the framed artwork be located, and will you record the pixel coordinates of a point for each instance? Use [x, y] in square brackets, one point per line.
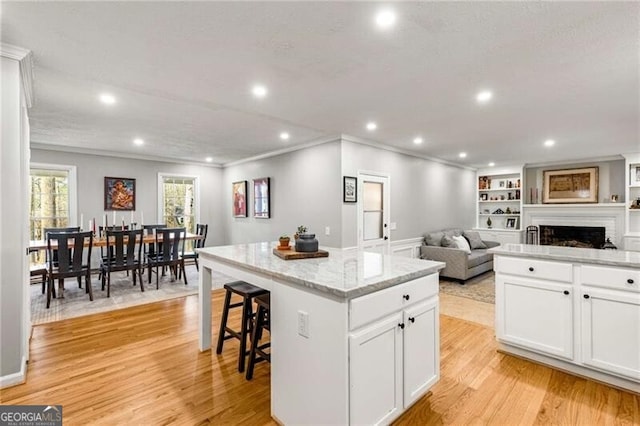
[570, 186]
[510, 223]
[119, 193]
[634, 179]
[484, 197]
[239, 198]
[261, 198]
[350, 189]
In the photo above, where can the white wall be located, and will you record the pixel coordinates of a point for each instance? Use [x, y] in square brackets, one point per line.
[92, 169]
[425, 195]
[306, 189]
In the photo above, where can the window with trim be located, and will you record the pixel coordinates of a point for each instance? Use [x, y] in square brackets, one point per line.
[178, 201]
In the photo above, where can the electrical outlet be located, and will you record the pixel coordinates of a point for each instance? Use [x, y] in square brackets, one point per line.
[327, 230]
[303, 324]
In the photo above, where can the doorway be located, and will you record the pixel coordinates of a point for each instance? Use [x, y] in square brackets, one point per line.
[373, 213]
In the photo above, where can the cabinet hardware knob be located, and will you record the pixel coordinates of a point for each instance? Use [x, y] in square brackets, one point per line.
[405, 297]
[401, 325]
[412, 319]
[530, 268]
[566, 292]
[586, 296]
[630, 281]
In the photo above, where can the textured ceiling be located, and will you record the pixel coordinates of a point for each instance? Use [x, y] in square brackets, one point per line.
[182, 74]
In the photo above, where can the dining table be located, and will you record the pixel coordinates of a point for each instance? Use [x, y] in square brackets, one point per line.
[35, 245]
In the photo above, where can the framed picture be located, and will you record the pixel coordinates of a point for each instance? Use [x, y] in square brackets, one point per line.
[484, 197]
[510, 223]
[570, 186]
[119, 193]
[350, 189]
[239, 198]
[634, 179]
[502, 183]
[261, 198]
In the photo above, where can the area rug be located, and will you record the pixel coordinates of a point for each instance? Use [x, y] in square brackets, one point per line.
[480, 288]
[123, 295]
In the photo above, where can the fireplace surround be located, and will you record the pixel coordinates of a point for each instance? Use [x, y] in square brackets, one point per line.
[572, 236]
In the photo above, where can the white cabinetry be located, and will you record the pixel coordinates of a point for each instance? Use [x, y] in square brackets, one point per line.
[394, 356]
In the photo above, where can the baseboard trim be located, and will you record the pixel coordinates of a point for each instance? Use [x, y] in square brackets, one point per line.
[15, 378]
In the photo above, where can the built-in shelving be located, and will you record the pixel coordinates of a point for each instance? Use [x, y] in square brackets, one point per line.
[632, 198]
[499, 203]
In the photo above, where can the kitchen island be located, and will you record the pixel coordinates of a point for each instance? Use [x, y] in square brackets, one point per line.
[354, 336]
[575, 309]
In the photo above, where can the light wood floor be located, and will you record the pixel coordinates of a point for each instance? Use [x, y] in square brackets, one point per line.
[141, 365]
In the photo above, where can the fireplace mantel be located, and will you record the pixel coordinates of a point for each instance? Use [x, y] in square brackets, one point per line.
[609, 215]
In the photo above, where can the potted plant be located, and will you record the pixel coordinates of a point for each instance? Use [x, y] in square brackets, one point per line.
[284, 241]
[301, 230]
[489, 223]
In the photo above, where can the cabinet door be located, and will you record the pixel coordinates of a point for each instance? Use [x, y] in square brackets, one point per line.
[611, 331]
[535, 314]
[375, 372]
[421, 353]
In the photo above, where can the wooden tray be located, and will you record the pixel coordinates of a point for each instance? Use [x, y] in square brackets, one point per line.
[292, 254]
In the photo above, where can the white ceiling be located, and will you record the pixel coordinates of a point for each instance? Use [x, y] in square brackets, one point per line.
[182, 74]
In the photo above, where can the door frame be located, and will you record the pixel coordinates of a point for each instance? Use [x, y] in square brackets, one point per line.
[386, 206]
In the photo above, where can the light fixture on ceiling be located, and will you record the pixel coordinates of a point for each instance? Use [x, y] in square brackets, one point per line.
[385, 19]
[371, 126]
[284, 136]
[549, 142]
[107, 99]
[462, 155]
[491, 164]
[208, 159]
[418, 140]
[484, 96]
[259, 91]
[138, 142]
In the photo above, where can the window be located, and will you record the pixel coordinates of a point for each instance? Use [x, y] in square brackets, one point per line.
[178, 201]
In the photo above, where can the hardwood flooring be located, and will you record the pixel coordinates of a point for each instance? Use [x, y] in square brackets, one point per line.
[141, 365]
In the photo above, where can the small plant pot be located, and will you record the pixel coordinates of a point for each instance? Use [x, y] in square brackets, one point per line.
[284, 242]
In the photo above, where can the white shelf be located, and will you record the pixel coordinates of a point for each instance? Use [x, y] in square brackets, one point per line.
[499, 201]
[497, 189]
[499, 229]
[498, 214]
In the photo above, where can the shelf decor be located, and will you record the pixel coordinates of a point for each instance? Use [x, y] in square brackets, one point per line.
[570, 186]
[261, 198]
[119, 193]
[239, 195]
[634, 178]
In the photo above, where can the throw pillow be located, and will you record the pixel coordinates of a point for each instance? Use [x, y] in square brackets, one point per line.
[475, 241]
[433, 238]
[448, 242]
[462, 243]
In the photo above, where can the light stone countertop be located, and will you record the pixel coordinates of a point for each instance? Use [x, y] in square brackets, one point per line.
[630, 259]
[344, 274]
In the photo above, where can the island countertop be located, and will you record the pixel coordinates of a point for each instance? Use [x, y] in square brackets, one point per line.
[344, 274]
[630, 259]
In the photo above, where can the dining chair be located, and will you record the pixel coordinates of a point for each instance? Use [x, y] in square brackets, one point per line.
[126, 246]
[46, 231]
[170, 250]
[105, 253]
[201, 230]
[71, 260]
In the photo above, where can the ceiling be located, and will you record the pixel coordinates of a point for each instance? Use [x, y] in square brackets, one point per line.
[182, 74]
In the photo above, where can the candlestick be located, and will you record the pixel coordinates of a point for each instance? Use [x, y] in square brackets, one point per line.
[81, 221]
[131, 220]
[114, 218]
[104, 221]
[141, 218]
[123, 223]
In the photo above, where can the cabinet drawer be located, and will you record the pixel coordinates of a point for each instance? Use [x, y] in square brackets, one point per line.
[376, 305]
[542, 269]
[616, 278]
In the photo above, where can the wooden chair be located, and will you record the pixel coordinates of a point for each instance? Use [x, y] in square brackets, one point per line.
[261, 322]
[201, 230]
[105, 253]
[71, 260]
[150, 249]
[45, 232]
[170, 249]
[126, 246]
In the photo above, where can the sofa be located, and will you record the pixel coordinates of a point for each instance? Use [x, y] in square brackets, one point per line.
[463, 261]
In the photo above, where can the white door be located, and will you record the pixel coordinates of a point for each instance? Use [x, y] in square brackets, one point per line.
[421, 350]
[373, 213]
[375, 373]
[611, 331]
[535, 315]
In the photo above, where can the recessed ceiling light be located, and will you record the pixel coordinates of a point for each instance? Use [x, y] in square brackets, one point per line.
[484, 96]
[418, 140]
[549, 142]
[107, 99]
[138, 141]
[385, 18]
[462, 155]
[259, 91]
[491, 164]
[371, 126]
[208, 159]
[284, 136]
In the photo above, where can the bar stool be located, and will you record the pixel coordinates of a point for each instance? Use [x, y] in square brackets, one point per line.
[248, 292]
[262, 321]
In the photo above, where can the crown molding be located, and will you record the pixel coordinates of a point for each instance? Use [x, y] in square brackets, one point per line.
[576, 161]
[115, 154]
[25, 59]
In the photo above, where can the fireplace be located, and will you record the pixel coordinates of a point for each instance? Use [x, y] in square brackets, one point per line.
[572, 236]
